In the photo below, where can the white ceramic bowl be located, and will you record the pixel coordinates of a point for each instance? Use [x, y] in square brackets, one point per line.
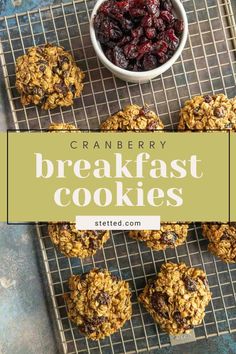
[144, 76]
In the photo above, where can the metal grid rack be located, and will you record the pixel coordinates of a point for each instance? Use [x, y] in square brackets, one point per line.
[207, 65]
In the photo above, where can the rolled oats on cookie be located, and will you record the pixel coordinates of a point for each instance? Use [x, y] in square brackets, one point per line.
[170, 235]
[48, 76]
[61, 126]
[98, 302]
[133, 117]
[177, 298]
[208, 112]
[222, 240]
[76, 243]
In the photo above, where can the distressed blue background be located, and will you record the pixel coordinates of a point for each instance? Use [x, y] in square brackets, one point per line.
[27, 324]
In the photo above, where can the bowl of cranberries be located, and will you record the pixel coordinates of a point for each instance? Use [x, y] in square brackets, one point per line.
[138, 40]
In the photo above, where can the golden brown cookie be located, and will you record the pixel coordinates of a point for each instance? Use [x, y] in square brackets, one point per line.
[177, 298]
[76, 243]
[48, 76]
[61, 126]
[222, 240]
[170, 235]
[208, 112]
[98, 303]
[133, 117]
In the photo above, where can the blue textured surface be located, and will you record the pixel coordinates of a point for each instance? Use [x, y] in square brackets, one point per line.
[27, 324]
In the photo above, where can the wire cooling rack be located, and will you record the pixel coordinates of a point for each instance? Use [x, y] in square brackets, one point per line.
[207, 65]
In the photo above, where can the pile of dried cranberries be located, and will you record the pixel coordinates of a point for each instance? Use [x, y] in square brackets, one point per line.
[138, 35]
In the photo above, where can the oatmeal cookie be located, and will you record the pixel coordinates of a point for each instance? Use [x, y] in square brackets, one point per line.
[133, 117]
[98, 303]
[208, 112]
[76, 243]
[170, 235]
[222, 240]
[177, 298]
[48, 76]
[61, 126]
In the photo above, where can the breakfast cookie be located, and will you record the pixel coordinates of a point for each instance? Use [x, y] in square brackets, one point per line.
[61, 126]
[169, 235]
[208, 112]
[177, 298]
[76, 243]
[133, 117]
[222, 240]
[98, 302]
[48, 76]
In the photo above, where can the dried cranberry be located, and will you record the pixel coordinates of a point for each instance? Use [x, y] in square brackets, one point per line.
[225, 237]
[130, 51]
[123, 6]
[39, 50]
[159, 302]
[170, 33]
[137, 32]
[124, 40]
[83, 276]
[115, 278]
[219, 112]
[146, 21]
[178, 318]
[170, 53]
[153, 7]
[207, 98]
[144, 110]
[103, 298]
[90, 324]
[152, 125]
[63, 59]
[163, 58]
[136, 12]
[167, 16]
[150, 62]
[38, 91]
[160, 47]
[61, 88]
[42, 68]
[166, 5]
[137, 67]
[190, 284]
[93, 244]
[159, 24]
[98, 233]
[126, 24]
[150, 32]
[204, 280]
[109, 55]
[179, 26]
[105, 8]
[64, 226]
[119, 58]
[72, 88]
[144, 48]
[111, 31]
[196, 111]
[168, 238]
[173, 45]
